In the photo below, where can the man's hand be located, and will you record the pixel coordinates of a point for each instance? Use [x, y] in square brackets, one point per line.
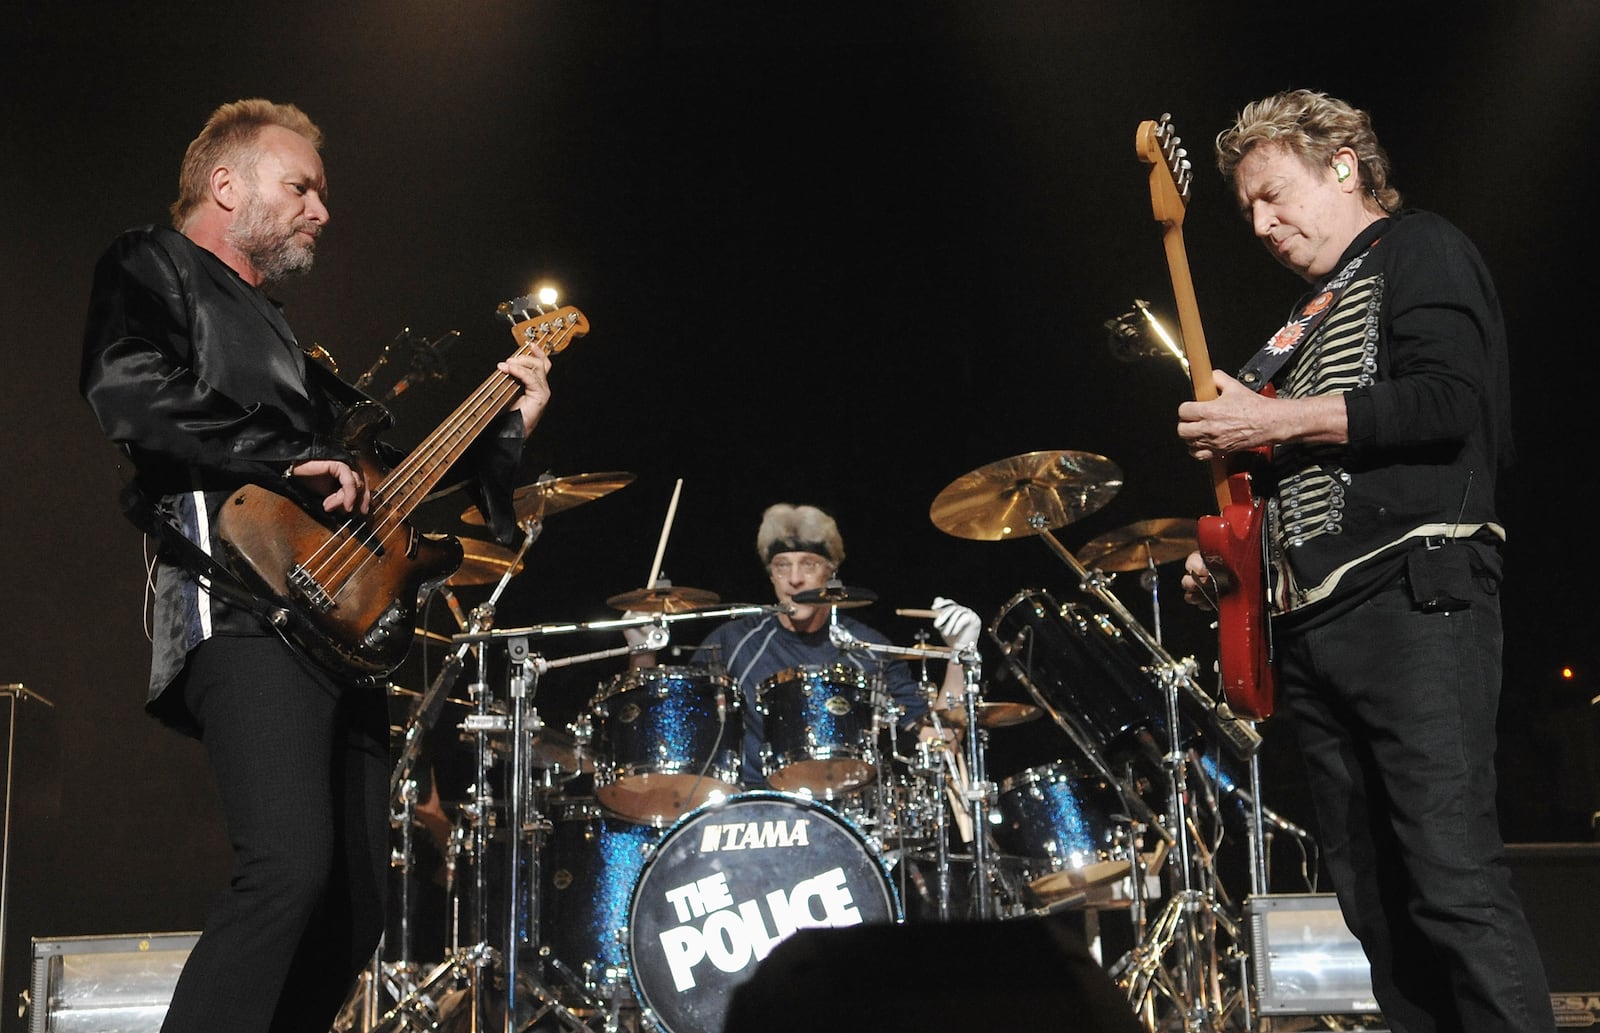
[344, 489]
[532, 372]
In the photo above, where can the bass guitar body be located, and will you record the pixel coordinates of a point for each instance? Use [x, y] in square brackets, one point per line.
[346, 591]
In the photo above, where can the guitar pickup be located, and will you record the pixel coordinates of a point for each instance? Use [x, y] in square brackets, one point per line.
[308, 589]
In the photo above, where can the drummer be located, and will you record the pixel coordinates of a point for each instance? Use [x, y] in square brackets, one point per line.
[802, 550]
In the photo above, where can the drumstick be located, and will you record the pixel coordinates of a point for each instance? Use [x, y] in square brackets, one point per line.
[666, 529]
[929, 614]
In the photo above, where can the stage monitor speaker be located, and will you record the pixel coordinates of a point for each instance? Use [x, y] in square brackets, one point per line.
[93, 984]
[1026, 974]
[1557, 885]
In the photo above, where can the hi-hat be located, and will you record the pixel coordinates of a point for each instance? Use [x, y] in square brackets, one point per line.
[841, 596]
[554, 494]
[996, 714]
[663, 599]
[1142, 545]
[1025, 494]
[483, 562]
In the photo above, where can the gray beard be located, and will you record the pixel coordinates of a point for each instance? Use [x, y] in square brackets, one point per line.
[272, 252]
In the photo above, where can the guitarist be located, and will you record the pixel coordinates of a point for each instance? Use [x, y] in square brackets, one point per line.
[190, 367]
[1389, 425]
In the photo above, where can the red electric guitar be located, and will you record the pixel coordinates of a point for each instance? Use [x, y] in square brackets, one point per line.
[1232, 541]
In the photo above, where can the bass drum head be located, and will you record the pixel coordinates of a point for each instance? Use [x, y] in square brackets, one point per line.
[727, 884]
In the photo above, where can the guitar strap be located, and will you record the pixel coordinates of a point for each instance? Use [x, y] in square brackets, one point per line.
[1281, 346]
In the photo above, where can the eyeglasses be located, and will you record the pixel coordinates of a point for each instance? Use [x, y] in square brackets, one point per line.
[808, 566]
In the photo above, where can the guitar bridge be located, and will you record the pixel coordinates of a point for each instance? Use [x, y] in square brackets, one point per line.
[308, 589]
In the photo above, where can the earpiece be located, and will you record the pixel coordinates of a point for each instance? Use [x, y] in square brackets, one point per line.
[1342, 170]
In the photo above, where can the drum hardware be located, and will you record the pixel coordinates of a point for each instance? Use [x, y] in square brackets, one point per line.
[1174, 970]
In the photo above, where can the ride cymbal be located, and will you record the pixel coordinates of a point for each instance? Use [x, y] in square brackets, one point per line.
[841, 596]
[483, 563]
[555, 494]
[664, 599]
[1025, 494]
[1142, 545]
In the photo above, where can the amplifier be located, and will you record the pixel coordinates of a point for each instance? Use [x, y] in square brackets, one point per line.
[1556, 883]
[104, 984]
[1305, 960]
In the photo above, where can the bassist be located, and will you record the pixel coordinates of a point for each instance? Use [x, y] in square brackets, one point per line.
[192, 370]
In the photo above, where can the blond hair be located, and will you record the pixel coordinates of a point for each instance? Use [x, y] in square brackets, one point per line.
[228, 139]
[1312, 126]
[787, 528]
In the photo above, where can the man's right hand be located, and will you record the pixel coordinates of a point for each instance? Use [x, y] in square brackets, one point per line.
[1198, 588]
[343, 488]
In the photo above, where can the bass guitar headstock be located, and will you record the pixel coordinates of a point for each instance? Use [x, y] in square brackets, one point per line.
[536, 326]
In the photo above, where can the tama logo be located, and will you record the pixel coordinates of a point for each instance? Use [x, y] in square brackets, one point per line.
[754, 835]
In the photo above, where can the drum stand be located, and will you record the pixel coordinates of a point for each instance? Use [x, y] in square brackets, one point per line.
[1173, 975]
[977, 791]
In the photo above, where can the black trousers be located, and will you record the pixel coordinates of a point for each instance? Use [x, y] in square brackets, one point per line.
[1395, 712]
[302, 766]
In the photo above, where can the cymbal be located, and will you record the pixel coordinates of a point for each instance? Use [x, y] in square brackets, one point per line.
[841, 596]
[555, 494]
[483, 562]
[1022, 495]
[990, 715]
[1137, 546]
[665, 599]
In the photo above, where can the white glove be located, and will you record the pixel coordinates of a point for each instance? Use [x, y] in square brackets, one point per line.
[637, 635]
[956, 623]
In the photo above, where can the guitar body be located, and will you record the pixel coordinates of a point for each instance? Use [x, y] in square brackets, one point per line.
[1231, 545]
[348, 600]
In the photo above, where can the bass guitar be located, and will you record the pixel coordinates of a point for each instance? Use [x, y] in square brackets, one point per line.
[1231, 541]
[345, 588]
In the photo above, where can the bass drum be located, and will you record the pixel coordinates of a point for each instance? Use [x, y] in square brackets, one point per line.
[1081, 668]
[670, 739]
[590, 865]
[727, 884]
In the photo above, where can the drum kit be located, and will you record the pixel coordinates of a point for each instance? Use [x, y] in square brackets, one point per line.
[616, 873]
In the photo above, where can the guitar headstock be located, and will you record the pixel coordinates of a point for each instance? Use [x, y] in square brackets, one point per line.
[1171, 176]
[533, 325]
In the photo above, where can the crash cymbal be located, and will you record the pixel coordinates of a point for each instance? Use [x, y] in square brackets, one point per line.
[841, 596]
[1022, 495]
[555, 494]
[401, 692]
[663, 599]
[1137, 546]
[482, 562]
[990, 715]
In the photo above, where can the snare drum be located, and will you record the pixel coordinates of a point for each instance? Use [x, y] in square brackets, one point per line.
[670, 737]
[727, 884]
[1058, 819]
[819, 729]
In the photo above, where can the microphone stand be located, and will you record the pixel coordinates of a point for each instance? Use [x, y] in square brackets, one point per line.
[18, 692]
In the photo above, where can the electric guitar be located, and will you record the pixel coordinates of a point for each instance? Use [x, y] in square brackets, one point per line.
[345, 588]
[1230, 542]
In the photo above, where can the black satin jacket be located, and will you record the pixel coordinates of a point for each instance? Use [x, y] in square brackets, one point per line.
[198, 377]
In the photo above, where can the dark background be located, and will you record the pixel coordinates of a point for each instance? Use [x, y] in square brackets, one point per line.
[837, 253]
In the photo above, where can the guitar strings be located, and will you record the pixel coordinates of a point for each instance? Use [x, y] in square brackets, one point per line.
[359, 542]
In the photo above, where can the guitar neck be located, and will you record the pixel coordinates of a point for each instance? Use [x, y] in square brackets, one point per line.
[1194, 345]
[420, 472]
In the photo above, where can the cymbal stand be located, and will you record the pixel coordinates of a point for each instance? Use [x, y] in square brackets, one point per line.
[1189, 989]
[979, 793]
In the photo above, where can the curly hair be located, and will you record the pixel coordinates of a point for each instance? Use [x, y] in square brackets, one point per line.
[1312, 126]
[226, 140]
